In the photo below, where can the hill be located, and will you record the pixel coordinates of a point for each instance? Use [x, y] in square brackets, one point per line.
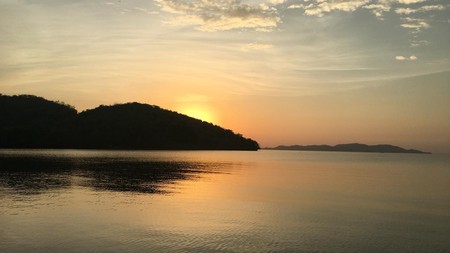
[352, 147]
[34, 122]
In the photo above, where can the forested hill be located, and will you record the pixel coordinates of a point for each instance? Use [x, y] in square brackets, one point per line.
[33, 122]
[352, 147]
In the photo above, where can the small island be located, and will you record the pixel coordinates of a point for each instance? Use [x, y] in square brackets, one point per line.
[33, 122]
[351, 147]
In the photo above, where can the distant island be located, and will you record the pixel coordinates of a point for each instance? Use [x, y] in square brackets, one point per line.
[352, 147]
[28, 121]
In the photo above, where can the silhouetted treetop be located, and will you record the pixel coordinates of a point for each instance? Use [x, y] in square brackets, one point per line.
[121, 126]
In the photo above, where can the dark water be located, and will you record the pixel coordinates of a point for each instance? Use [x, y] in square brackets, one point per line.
[217, 201]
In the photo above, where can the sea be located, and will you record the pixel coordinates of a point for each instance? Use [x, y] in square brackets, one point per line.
[223, 201]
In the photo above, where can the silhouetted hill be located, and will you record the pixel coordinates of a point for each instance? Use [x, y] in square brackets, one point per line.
[352, 147]
[30, 121]
[33, 122]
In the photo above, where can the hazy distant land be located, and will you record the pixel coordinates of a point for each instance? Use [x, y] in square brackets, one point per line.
[352, 147]
[34, 122]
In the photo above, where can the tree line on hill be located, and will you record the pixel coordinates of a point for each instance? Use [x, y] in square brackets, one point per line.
[28, 121]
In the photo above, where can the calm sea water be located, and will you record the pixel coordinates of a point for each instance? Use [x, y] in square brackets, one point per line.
[223, 201]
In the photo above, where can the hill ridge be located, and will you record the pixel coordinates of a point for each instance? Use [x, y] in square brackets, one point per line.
[351, 147]
[34, 122]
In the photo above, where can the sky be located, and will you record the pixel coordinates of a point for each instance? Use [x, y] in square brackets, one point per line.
[281, 72]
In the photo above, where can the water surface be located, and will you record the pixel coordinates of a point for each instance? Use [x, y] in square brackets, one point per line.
[223, 201]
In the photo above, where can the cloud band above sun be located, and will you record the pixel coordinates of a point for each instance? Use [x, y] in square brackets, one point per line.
[221, 15]
[413, 16]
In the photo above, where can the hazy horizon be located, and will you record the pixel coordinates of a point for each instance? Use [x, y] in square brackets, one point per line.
[281, 72]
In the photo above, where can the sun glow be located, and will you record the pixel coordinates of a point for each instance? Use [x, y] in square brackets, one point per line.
[200, 113]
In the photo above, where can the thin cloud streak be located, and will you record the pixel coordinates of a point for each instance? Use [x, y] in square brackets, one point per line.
[257, 46]
[319, 8]
[425, 8]
[411, 1]
[404, 58]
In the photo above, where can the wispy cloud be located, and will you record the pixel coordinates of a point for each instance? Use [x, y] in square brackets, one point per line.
[409, 16]
[425, 8]
[410, 1]
[437, 7]
[405, 58]
[277, 1]
[415, 24]
[320, 6]
[267, 15]
[405, 11]
[123, 9]
[378, 9]
[417, 43]
[297, 6]
[257, 46]
[221, 15]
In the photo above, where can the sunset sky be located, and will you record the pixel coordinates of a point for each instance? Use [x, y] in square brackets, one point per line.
[278, 71]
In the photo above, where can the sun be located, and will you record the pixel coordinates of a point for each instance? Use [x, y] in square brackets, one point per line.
[201, 113]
